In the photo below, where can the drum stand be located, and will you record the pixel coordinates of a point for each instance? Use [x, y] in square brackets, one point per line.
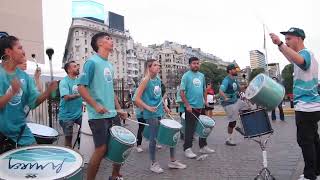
[264, 173]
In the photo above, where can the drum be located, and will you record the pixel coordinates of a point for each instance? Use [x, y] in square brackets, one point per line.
[43, 134]
[204, 126]
[265, 92]
[254, 123]
[169, 132]
[183, 123]
[86, 139]
[41, 162]
[120, 144]
[146, 133]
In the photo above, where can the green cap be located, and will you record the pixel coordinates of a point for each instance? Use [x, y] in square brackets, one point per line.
[295, 32]
[231, 66]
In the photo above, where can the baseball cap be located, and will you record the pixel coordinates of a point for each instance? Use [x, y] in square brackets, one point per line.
[295, 32]
[230, 67]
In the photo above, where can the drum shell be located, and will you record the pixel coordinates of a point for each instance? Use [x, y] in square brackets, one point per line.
[168, 136]
[183, 122]
[86, 146]
[118, 152]
[270, 95]
[45, 140]
[203, 130]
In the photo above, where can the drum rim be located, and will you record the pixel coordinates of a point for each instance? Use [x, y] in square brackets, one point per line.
[171, 120]
[30, 123]
[51, 147]
[214, 122]
[119, 140]
[259, 88]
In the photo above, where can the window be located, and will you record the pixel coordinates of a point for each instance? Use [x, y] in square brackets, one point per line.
[86, 50]
[76, 33]
[85, 42]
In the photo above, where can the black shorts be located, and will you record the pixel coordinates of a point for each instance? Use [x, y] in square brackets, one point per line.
[210, 107]
[101, 129]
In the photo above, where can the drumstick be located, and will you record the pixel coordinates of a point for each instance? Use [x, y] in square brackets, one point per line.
[137, 122]
[198, 120]
[170, 116]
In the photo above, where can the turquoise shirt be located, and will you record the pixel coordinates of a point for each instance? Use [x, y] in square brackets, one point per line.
[13, 114]
[193, 85]
[152, 97]
[179, 101]
[305, 83]
[137, 110]
[98, 76]
[71, 109]
[230, 87]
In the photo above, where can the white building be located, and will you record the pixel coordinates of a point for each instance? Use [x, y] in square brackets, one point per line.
[274, 70]
[257, 59]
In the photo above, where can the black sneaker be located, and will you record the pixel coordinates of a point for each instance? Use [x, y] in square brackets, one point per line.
[230, 143]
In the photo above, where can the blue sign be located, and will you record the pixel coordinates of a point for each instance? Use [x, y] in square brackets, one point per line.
[86, 8]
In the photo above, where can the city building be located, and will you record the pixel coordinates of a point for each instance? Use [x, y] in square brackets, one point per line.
[24, 20]
[274, 70]
[257, 59]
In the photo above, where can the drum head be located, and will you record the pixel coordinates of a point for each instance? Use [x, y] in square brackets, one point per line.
[171, 123]
[123, 135]
[41, 130]
[39, 162]
[255, 85]
[207, 121]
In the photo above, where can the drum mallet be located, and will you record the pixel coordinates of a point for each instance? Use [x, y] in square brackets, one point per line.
[137, 122]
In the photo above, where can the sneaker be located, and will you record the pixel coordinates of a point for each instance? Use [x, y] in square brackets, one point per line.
[139, 149]
[176, 165]
[116, 178]
[302, 177]
[189, 154]
[155, 167]
[230, 142]
[159, 146]
[207, 150]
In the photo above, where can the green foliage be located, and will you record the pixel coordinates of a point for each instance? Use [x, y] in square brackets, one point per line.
[287, 77]
[255, 72]
[213, 74]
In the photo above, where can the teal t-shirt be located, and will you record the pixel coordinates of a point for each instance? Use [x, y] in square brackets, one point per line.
[179, 101]
[13, 114]
[230, 87]
[72, 109]
[137, 110]
[152, 97]
[98, 76]
[193, 85]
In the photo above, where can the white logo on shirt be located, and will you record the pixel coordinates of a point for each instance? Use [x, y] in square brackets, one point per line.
[196, 82]
[15, 100]
[75, 89]
[234, 86]
[157, 91]
[107, 75]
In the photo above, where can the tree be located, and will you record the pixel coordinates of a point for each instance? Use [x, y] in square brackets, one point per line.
[213, 74]
[287, 77]
[255, 72]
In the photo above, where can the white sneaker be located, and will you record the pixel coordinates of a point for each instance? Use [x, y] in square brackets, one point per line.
[139, 149]
[176, 165]
[207, 150]
[189, 154]
[155, 167]
[230, 142]
[159, 146]
[302, 177]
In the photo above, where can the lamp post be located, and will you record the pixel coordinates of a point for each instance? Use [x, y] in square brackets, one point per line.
[50, 52]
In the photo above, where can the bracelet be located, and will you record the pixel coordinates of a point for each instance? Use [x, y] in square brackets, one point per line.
[280, 44]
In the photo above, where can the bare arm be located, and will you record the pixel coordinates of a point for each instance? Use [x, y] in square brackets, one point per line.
[185, 101]
[223, 95]
[70, 97]
[86, 97]
[5, 99]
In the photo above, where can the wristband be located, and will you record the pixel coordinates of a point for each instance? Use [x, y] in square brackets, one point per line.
[280, 44]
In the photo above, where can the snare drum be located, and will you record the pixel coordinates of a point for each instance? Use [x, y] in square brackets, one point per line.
[120, 144]
[183, 122]
[43, 134]
[254, 123]
[169, 132]
[42, 163]
[265, 92]
[204, 126]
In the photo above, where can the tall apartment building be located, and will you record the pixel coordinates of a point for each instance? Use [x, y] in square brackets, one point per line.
[78, 47]
[257, 59]
[23, 19]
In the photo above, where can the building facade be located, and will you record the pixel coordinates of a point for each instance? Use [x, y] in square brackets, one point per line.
[257, 59]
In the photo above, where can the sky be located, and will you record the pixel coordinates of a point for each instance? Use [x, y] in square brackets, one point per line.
[228, 29]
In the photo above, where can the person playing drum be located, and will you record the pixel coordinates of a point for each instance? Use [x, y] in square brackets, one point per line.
[17, 90]
[149, 98]
[230, 101]
[96, 88]
[192, 91]
[306, 97]
[70, 108]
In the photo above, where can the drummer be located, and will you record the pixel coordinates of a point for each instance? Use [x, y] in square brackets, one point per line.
[96, 88]
[192, 91]
[149, 98]
[17, 90]
[70, 108]
[229, 91]
[306, 97]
